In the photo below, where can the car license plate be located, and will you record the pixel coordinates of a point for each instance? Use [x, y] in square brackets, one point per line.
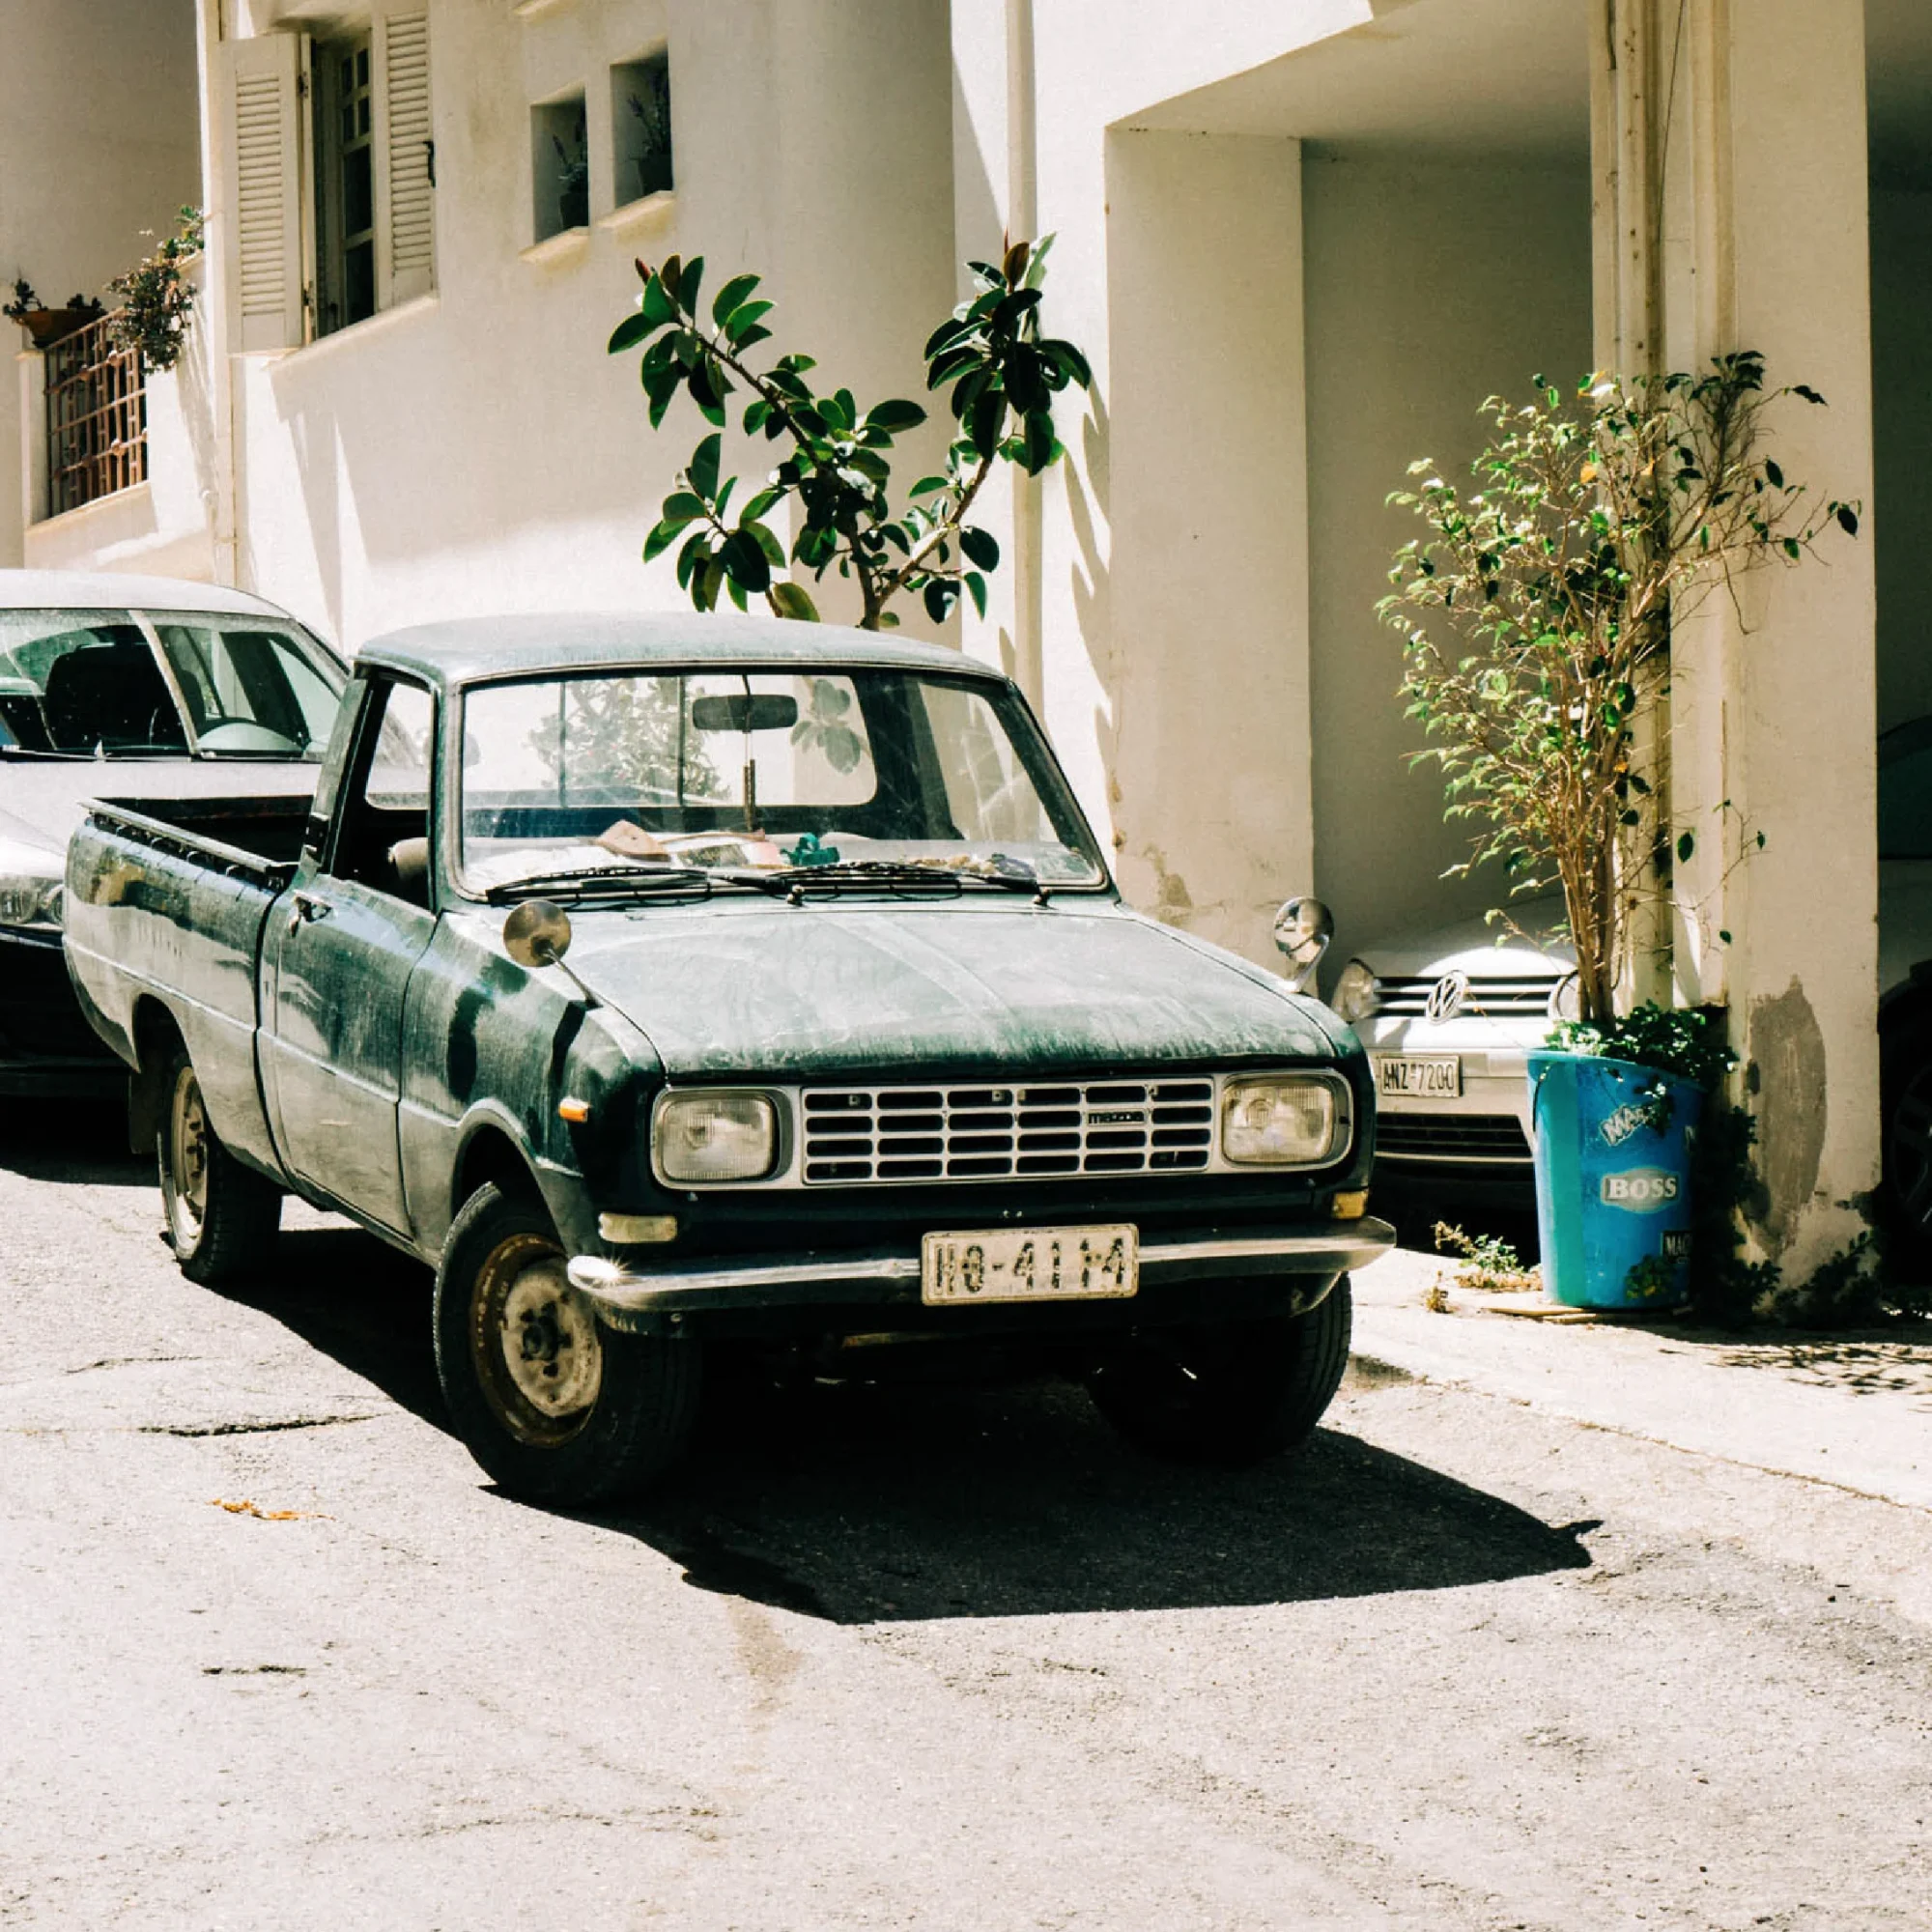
[1418, 1076]
[1029, 1265]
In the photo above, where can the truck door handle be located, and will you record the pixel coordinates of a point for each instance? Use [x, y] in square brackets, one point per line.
[307, 909]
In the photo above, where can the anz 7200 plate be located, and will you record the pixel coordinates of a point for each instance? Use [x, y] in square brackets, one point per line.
[1029, 1265]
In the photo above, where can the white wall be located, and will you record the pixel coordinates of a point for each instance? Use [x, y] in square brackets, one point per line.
[1430, 285]
[478, 451]
[97, 142]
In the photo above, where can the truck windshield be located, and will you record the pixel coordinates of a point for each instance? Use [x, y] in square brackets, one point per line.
[118, 684]
[769, 770]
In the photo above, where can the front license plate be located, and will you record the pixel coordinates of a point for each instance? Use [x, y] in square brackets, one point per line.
[1029, 1265]
[1419, 1076]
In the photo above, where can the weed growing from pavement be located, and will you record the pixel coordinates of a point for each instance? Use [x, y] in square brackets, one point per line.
[1488, 1265]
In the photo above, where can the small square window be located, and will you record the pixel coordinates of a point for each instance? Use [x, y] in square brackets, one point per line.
[640, 126]
[560, 166]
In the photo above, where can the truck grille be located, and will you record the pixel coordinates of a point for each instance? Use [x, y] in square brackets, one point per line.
[858, 1134]
[1483, 1137]
[1490, 997]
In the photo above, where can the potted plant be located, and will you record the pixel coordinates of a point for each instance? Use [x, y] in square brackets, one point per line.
[1537, 616]
[156, 300]
[44, 325]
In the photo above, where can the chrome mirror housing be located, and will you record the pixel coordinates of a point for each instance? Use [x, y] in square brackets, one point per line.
[1302, 930]
[536, 933]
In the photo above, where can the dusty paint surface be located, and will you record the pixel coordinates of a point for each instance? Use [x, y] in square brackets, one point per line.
[1787, 1058]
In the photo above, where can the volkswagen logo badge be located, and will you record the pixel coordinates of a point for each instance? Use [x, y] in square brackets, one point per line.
[1446, 996]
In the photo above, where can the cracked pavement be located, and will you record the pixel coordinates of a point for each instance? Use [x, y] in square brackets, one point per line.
[279, 1657]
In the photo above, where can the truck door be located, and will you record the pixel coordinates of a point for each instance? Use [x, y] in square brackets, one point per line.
[341, 945]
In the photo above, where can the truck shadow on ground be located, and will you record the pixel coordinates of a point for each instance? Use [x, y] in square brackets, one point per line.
[886, 1503]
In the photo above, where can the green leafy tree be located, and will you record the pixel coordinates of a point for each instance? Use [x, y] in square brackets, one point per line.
[999, 371]
[1537, 614]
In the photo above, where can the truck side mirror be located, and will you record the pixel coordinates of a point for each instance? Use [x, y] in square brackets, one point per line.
[1302, 930]
[536, 933]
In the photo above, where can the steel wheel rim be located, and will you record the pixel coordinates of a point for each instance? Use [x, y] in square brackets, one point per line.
[189, 1147]
[535, 1342]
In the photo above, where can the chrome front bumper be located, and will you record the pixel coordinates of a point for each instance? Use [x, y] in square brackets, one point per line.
[628, 1299]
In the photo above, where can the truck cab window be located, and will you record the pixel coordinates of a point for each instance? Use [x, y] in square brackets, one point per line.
[382, 838]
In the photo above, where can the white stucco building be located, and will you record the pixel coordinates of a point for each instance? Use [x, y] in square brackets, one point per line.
[1301, 240]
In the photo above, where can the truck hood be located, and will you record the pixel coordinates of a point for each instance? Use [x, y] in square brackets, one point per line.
[964, 988]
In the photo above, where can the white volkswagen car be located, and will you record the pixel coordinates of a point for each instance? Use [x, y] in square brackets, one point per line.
[1450, 1016]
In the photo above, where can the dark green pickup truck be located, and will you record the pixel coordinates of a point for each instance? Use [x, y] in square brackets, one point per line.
[854, 1047]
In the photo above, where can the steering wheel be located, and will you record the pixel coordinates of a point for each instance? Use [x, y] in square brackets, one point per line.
[240, 734]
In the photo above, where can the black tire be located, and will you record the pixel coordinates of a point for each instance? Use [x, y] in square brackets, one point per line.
[1233, 1393]
[556, 1407]
[220, 1217]
[1905, 1085]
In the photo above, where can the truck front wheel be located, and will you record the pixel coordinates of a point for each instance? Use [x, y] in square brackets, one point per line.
[1233, 1392]
[223, 1218]
[556, 1407]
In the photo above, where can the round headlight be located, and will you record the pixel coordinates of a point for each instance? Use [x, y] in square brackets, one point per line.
[1566, 1002]
[1357, 995]
[709, 1137]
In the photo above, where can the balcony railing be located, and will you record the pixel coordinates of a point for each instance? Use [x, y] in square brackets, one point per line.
[96, 417]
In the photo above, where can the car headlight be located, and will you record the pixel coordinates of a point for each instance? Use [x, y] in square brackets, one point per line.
[1357, 995]
[28, 897]
[1282, 1119]
[1566, 1002]
[722, 1136]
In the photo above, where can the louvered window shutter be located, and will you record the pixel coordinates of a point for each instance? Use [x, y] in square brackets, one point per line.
[264, 152]
[404, 188]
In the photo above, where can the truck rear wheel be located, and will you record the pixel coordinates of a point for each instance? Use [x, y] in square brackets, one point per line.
[1230, 1393]
[556, 1407]
[223, 1218]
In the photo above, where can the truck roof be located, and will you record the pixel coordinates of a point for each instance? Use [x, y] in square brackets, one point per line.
[116, 589]
[472, 649]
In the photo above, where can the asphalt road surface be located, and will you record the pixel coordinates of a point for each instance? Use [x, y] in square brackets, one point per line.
[277, 1655]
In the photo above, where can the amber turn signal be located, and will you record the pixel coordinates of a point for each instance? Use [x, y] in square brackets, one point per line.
[1351, 1205]
[575, 1111]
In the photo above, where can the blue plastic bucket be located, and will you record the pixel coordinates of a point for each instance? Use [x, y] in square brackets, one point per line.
[1612, 1144]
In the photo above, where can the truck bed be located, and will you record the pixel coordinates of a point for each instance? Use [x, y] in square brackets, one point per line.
[166, 903]
[252, 837]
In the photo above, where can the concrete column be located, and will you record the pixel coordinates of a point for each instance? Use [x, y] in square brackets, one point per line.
[1209, 513]
[1774, 698]
[33, 428]
[861, 221]
[995, 196]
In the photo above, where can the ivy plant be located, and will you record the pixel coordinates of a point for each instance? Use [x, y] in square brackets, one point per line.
[998, 368]
[1537, 612]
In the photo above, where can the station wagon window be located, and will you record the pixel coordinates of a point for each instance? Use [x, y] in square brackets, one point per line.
[251, 688]
[101, 684]
[762, 770]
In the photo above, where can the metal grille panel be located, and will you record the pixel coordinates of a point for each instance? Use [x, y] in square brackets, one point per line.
[1493, 997]
[1485, 1137]
[859, 1135]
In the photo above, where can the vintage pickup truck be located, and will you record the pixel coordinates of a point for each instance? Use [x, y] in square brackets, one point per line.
[856, 1045]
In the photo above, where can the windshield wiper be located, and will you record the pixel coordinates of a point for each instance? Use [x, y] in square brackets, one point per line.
[610, 881]
[32, 752]
[906, 873]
